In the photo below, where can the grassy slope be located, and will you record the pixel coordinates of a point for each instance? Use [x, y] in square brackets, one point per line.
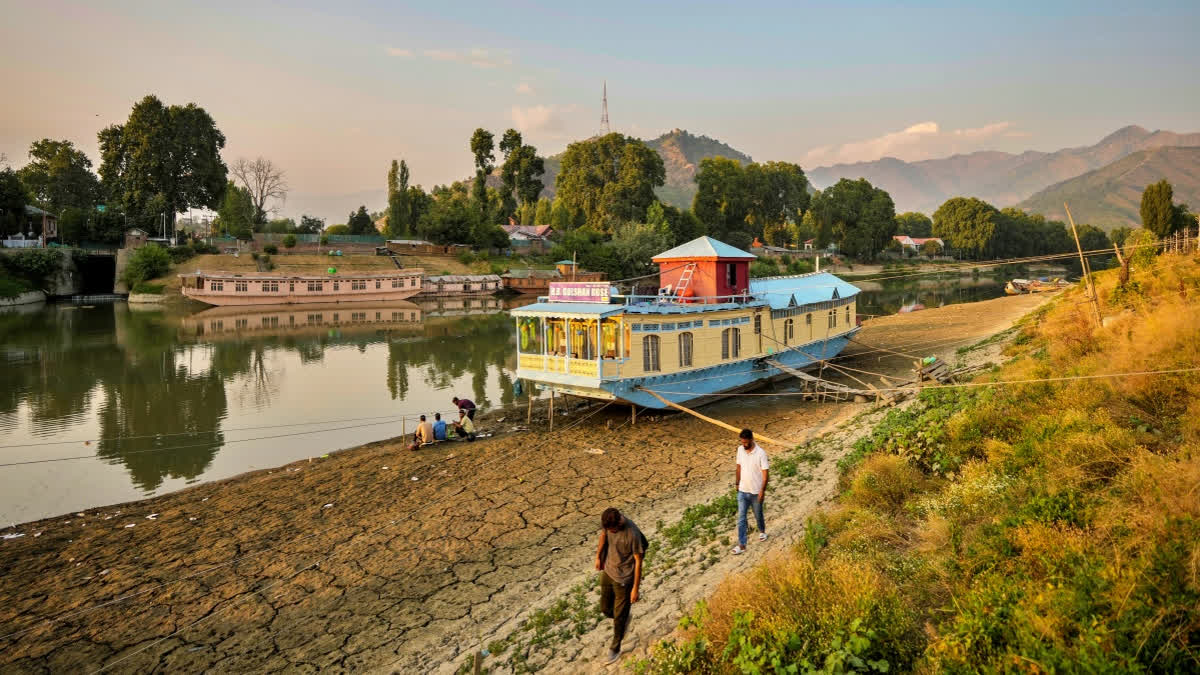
[1034, 527]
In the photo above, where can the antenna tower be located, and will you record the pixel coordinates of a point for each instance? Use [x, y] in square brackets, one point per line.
[604, 128]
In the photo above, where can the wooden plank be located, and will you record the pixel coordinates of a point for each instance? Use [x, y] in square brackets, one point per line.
[710, 420]
[824, 385]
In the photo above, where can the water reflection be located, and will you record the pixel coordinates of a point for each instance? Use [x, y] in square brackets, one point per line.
[157, 391]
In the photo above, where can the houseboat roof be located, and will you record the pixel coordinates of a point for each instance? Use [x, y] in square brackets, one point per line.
[801, 289]
[703, 248]
[570, 310]
[269, 276]
[454, 278]
[526, 273]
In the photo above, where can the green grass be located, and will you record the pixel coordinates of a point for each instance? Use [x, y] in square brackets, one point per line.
[148, 288]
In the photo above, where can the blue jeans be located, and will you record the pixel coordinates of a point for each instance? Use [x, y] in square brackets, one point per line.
[748, 500]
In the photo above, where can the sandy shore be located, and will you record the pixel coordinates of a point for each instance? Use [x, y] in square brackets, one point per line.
[380, 558]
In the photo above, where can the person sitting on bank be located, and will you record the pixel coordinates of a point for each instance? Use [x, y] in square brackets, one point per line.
[439, 427]
[423, 434]
[464, 427]
[465, 404]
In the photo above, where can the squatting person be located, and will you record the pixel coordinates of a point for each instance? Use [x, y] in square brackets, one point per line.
[619, 560]
[751, 482]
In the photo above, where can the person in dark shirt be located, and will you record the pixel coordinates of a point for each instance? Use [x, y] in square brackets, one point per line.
[466, 404]
[619, 560]
[439, 427]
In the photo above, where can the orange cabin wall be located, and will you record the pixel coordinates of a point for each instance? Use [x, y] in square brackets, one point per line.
[710, 277]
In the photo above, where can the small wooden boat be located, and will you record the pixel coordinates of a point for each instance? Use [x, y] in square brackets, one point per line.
[1024, 286]
[227, 288]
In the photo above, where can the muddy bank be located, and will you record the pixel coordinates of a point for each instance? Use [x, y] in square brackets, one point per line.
[378, 557]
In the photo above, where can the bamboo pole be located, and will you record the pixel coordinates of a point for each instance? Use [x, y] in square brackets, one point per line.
[551, 410]
[1086, 273]
[757, 436]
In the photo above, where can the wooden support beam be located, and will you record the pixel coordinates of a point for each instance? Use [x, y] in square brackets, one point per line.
[757, 436]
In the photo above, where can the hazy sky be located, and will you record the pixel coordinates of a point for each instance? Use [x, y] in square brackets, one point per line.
[333, 91]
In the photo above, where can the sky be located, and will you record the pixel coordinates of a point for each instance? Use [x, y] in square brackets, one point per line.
[332, 92]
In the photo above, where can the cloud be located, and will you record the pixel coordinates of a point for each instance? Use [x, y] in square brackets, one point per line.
[479, 58]
[919, 141]
[524, 88]
[396, 51]
[546, 119]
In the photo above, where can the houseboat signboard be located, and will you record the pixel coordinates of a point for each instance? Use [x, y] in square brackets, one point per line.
[708, 332]
[227, 288]
[580, 291]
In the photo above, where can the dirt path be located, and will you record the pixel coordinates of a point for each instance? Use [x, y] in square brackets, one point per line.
[342, 563]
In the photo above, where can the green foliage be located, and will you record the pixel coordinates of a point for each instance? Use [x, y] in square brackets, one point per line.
[1119, 234]
[914, 224]
[754, 198]
[163, 159]
[13, 199]
[59, 176]
[861, 217]
[270, 249]
[277, 226]
[763, 267]
[967, 225]
[310, 225]
[236, 215]
[289, 241]
[452, 220]
[143, 288]
[335, 230]
[483, 149]
[148, 262]
[179, 254]
[1141, 248]
[359, 222]
[931, 249]
[541, 216]
[918, 433]
[609, 180]
[399, 213]
[699, 521]
[33, 266]
[11, 287]
[1158, 213]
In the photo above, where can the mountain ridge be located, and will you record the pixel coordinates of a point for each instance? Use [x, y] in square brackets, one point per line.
[1001, 178]
[1110, 196]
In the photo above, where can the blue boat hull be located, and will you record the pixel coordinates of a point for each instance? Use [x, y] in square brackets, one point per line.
[714, 381]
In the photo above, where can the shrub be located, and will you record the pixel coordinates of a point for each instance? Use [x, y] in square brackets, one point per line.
[885, 482]
[11, 288]
[202, 248]
[148, 289]
[324, 240]
[32, 266]
[148, 262]
[289, 241]
[179, 254]
[270, 249]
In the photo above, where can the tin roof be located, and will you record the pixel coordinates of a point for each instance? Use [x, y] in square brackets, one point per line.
[703, 247]
[525, 273]
[454, 278]
[801, 289]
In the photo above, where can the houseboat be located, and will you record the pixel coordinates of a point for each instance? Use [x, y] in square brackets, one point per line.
[460, 284]
[708, 332]
[227, 288]
[538, 281]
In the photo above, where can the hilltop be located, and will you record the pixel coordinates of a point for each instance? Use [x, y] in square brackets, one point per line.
[681, 152]
[1111, 196]
[1001, 178]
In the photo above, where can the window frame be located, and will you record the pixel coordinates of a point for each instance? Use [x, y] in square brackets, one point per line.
[651, 354]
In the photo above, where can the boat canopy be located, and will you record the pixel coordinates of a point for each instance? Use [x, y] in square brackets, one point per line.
[801, 289]
[570, 310]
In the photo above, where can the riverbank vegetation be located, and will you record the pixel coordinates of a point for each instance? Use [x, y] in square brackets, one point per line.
[1049, 525]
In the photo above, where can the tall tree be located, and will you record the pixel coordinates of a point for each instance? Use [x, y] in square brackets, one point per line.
[510, 146]
[12, 202]
[235, 217]
[609, 179]
[360, 222]
[967, 225]
[778, 195]
[860, 216]
[59, 176]
[263, 181]
[1158, 213]
[310, 225]
[399, 213]
[914, 225]
[722, 199]
[482, 148]
[541, 216]
[163, 159]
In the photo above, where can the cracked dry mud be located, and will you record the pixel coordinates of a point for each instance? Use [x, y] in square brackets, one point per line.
[256, 573]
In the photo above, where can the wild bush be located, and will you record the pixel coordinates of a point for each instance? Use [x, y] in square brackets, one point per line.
[148, 262]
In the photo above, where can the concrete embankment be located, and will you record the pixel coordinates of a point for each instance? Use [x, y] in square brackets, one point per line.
[382, 558]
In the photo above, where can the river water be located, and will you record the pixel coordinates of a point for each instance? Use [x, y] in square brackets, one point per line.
[107, 403]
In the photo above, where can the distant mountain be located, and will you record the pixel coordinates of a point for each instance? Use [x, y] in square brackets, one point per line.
[681, 153]
[1001, 178]
[1111, 196]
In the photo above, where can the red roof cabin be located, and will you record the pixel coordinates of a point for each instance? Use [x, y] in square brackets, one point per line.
[705, 269]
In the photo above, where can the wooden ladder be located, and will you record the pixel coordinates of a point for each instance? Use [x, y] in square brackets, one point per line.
[685, 279]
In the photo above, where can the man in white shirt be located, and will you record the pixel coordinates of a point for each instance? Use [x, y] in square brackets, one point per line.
[751, 483]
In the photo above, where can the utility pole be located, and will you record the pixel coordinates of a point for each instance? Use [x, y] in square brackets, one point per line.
[1087, 271]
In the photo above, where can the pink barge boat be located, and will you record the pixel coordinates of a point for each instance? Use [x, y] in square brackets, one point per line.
[227, 288]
